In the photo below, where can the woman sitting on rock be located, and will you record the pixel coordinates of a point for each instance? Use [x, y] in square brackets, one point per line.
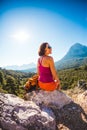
[48, 79]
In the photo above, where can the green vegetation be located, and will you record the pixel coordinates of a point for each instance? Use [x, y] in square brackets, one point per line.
[70, 77]
[71, 63]
[13, 81]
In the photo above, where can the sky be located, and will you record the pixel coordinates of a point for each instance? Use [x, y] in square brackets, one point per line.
[25, 24]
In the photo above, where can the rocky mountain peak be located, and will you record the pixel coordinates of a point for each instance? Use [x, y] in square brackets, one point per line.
[76, 51]
[75, 57]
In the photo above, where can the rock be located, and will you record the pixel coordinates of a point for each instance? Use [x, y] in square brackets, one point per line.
[82, 84]
[71, 117]
[53, 98]
[17, 114]
[43, 111]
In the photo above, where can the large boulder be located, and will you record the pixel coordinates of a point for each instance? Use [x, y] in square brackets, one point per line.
[17, 114]
[35, 114]
[43, 111]
[49, 98]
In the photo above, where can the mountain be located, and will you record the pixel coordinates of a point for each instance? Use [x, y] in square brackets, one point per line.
[76, 51]
[75, 57]
[22, 67]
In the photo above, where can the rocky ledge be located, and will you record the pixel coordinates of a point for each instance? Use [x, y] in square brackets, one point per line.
[41, 111]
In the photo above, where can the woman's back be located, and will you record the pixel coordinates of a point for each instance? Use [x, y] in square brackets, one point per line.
[44, 70]
[44, 60]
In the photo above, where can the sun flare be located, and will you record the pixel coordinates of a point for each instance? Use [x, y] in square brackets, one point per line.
[20, 36]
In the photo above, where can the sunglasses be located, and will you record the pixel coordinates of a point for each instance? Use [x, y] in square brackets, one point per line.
[49, 47]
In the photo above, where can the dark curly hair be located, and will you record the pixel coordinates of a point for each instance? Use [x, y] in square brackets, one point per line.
[41, 51]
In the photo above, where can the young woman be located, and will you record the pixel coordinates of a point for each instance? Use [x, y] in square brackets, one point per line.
[48, 79]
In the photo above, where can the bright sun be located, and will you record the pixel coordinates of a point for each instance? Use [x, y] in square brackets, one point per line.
[20, 36]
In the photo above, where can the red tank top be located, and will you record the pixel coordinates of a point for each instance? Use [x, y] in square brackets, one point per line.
[45, 73]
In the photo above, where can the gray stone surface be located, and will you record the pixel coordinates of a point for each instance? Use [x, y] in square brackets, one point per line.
[43, 111]
[53, 98]
[17, 114]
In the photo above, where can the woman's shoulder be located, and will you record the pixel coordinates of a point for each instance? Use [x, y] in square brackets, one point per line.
[50, 58]
[47, 58]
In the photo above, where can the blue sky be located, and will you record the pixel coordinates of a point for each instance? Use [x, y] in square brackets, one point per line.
[25, 24]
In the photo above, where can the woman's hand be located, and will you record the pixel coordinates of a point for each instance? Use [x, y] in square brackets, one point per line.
[58, 87]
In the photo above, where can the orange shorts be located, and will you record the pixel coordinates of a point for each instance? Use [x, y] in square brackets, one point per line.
[47, 86]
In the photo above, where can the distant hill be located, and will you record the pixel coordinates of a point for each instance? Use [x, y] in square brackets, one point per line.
[22, 67]
[29, 70]
[75, 57]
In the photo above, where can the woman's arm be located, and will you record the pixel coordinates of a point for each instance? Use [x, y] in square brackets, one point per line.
[38, 67]
[53, 69]
[54, 73]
